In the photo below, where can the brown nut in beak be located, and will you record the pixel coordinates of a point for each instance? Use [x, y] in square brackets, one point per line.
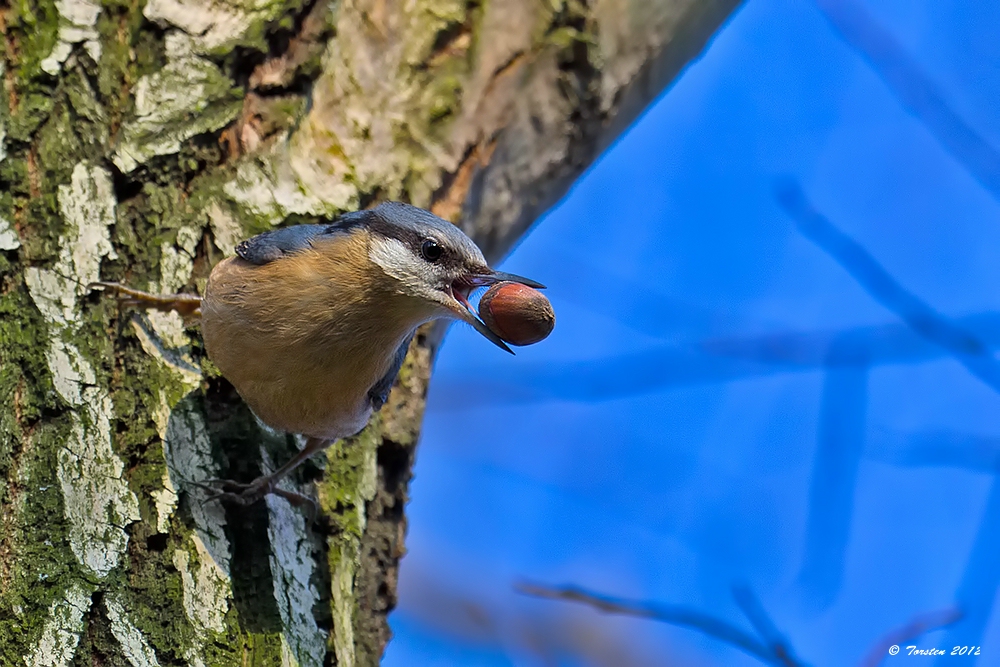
[517, 313]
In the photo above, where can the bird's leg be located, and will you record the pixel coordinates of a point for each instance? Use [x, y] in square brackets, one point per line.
[248, 494]
[187, 306]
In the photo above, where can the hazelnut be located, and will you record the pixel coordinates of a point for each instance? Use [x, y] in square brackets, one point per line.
[517, 313]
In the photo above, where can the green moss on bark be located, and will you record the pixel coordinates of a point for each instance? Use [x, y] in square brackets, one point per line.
[32, 32]
[44, 567]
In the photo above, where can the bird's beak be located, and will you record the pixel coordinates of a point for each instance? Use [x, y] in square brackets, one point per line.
[460, 305]
[501, 277]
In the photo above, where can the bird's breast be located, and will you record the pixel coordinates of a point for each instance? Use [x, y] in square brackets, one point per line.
[302, 347]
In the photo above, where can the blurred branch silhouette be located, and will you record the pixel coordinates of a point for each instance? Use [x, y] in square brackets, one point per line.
[839, 449]
[969, 350]
[918, 626]
[723, 359]
[938, 449]
[981, 577]
[770, 648]
[761, 622]
[926, 334]
[914, 90]
[473, 618]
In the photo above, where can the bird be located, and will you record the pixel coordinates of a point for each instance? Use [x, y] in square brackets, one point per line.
[310, 323]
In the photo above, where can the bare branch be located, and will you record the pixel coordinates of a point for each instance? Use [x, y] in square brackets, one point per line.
[672, 614]
[969, 350]
[754, 611]
[938, 449]
[840, 442]
[711, 361]
[915, 90]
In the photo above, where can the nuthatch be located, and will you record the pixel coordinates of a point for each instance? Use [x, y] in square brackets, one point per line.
[311, 323]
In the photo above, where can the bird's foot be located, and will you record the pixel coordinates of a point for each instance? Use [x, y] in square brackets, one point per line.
[186, 305]
[239, 493]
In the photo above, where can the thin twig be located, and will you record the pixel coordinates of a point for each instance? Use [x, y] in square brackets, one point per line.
[918, 625]
[674, 615]
[766, 630]
[969, 350]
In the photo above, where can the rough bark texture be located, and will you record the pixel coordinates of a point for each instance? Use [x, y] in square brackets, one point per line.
[139, 142]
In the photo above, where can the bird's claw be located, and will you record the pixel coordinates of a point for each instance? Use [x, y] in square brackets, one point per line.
[239, 493]
[187, 305]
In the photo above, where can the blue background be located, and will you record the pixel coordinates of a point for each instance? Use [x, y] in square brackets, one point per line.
[679, 432]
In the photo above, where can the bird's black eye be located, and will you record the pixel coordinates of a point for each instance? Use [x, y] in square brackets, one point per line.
[431, 250]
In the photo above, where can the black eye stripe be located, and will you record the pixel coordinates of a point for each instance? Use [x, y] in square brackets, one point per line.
[431, 250]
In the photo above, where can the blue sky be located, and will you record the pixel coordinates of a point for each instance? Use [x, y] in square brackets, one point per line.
[647, 450]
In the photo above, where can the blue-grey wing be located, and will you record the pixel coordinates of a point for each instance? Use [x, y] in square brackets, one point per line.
[278, 243]
[379, 393]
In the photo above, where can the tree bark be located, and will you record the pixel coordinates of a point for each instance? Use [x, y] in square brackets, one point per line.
[139, 142]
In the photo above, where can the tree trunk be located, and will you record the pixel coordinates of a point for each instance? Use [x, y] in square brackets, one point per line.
[139, 142]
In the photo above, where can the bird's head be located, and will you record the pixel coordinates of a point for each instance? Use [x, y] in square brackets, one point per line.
[433, 261]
